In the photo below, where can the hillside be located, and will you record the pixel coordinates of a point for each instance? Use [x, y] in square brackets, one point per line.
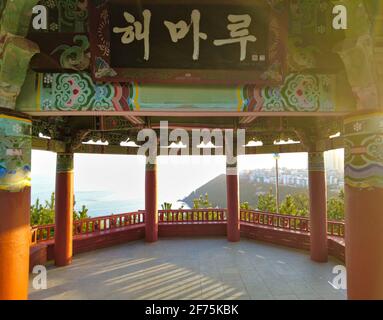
[216, 189]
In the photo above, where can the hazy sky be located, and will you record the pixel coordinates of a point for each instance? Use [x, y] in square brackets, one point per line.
[124, 176]
[178, 176]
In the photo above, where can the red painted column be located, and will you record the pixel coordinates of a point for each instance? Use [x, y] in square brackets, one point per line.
[233, 207]
[64, 210]
[151, 217]
[318, 207]
[15, 199]
[364, 205]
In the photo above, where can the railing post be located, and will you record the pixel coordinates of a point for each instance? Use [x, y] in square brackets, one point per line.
[151, 225]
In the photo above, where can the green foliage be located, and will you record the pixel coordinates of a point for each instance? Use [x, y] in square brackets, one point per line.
[82, 214]
[245, 206]
[267, 202]
[302, 203]
[202, 202]
[299, 204]
[45, 214]
[166, 206]
[288, 206]
[335, 207]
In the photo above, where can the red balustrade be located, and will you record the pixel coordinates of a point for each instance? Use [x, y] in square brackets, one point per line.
[33, 236]
[334, 228]
[91, 225]
[186, 216]
[43, 233]
[275, 220]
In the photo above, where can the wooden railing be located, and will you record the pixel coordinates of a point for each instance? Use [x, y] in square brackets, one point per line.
[43, 233]
[34, 236]
[275, 220]
[108, 222]
[87, 226]
[334, 228]
[192, 216]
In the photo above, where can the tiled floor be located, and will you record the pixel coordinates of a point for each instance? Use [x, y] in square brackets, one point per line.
[210, 268]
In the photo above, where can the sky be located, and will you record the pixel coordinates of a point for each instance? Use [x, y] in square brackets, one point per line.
[113, 179]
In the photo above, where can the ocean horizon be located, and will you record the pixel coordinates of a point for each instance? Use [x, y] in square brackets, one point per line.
[98, 202]
[116, 184]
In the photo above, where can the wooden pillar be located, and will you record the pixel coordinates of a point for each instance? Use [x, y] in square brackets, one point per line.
[64, 210]
[233, 207]
[151, 206]
[363, 205]
[15, 150]
[318, 207]
[15, 199]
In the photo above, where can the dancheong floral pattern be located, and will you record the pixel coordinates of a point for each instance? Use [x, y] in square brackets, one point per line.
[67, 15]
[299, 93]
[77, 92]
[15, 153]
[364, 151]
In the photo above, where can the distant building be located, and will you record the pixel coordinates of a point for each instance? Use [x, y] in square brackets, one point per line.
[334, 160]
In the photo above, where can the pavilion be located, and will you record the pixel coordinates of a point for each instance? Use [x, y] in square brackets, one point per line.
[105, 70]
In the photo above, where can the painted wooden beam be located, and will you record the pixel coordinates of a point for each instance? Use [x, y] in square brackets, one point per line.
[48, 145]
[59, 146]
[76, 93]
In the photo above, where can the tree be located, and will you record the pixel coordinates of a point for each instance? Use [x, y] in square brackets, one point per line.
[166, 206]
[298, 205]
[202, 202]
[245, 206]
[45, 214]
[301, 202]
[80, 215]
[267, 202]
[335, 207]
[288, 206]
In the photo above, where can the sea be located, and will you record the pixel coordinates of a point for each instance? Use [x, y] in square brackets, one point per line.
[98, 202]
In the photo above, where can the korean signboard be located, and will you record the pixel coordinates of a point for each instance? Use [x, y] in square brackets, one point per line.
[202, 43]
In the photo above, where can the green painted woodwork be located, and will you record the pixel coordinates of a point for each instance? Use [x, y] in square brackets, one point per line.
[15, 51]
[66, 15]
[65, 162]
[76, 57]
[16, 16]
[364, 151]
[77, 92]
[15, 153]
[316, 161]
[311, 41]
[208, 97]
[361, 54]
[14, 62]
